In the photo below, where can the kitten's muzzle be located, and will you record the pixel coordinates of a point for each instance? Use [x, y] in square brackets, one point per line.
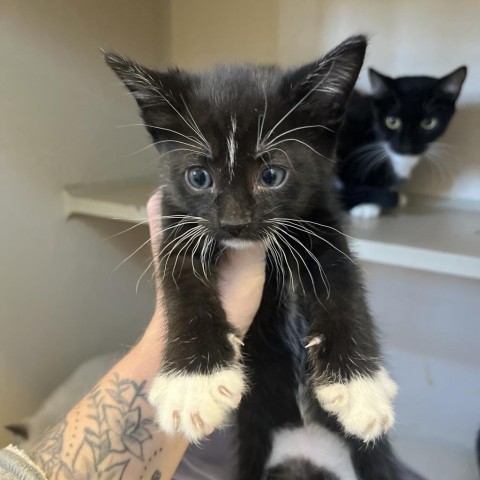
[233, 228]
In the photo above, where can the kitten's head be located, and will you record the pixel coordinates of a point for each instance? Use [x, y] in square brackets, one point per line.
[412, 112]
[244, 144]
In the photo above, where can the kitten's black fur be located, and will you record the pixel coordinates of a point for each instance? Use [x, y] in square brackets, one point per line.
[388, 123]
[227, 116]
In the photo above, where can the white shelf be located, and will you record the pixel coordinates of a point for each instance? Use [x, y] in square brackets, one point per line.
[436, 238]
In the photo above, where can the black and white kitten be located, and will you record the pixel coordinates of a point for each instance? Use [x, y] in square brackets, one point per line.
[249, 152]
[386, 133]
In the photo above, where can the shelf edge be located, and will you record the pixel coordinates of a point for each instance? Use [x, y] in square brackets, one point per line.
[417, 258]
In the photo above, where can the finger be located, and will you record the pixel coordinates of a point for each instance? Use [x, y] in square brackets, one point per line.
[154, 214]
[242, 276]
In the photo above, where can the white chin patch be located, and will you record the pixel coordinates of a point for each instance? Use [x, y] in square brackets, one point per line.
[402, 164]
[237, 243]
[316, 444]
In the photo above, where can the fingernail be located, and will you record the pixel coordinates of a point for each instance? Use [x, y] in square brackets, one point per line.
[198, 422]
[176, 420]
[224, 391]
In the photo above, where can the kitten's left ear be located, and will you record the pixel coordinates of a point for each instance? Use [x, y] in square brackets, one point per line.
[380, 84]
[323, 87]
[451, 84]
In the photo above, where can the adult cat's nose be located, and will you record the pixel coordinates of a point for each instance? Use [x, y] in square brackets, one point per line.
[233, 226]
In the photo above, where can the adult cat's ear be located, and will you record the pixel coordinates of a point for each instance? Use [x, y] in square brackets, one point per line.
[324, 86]
[20, 430]
[451, 84]
[380, 84]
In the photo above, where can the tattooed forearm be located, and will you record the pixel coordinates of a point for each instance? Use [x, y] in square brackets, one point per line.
[106, 436]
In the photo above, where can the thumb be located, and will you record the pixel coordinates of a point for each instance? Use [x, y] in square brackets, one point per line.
[241, 280]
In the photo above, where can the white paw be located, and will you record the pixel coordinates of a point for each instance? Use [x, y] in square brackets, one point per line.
[363, 406]
[366, 210]
[402, 200]
[193, 404]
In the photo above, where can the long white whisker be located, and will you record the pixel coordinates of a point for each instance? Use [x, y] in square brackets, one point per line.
[297, 105]
[282, 234]
[311, 232]
[303, 143]
[294, 130]
[199, 132]
[192, 139]
[321, 225]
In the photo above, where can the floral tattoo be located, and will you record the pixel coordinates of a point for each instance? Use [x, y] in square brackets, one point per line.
[117, 433]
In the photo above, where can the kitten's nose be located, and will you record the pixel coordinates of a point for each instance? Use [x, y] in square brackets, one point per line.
[233, 226]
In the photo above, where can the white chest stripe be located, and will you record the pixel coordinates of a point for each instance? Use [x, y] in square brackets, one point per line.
[402, 164]
[315, 444]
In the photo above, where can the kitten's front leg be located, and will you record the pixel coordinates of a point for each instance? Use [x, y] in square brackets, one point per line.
[201, 379]
[347, 374]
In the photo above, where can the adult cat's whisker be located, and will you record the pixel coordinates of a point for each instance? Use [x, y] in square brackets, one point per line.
[437, 163]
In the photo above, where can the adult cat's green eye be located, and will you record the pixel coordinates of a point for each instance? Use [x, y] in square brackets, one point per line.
[429, 123]
[393, 122]
[198, 178]
[273, 177]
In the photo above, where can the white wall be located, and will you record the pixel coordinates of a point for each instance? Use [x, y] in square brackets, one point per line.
[204, 33]
[60, 300]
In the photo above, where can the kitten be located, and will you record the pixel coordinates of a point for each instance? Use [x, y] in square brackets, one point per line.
[386, 133]
[249, 152]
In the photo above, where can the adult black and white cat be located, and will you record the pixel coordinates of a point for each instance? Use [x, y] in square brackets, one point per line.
[386, 133]
[249, 152]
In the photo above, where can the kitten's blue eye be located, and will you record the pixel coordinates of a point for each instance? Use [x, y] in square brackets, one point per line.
[429, 123]
[393, 122]
[273, 177]
[198, 178]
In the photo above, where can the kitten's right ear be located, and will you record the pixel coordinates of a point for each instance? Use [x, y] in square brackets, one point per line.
[20, 430]
[151, 88]
[143, 83]
[379, 83]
